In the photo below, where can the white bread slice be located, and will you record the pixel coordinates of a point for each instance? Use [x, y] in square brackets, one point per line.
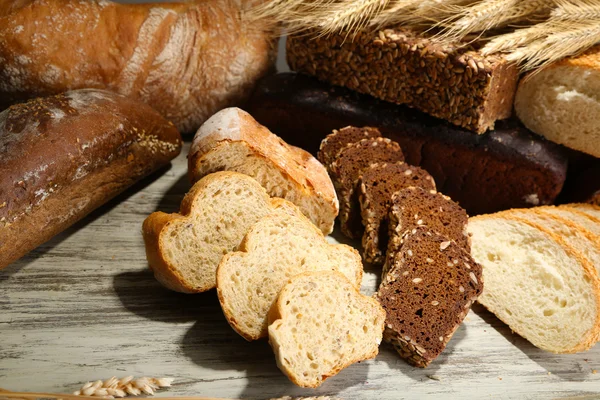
[537, 284]
[277, 248]
[320, 325]
[232, 140]
[576, 236]
[561, 102]
[576, 216]
[184, 249]
[591, 210]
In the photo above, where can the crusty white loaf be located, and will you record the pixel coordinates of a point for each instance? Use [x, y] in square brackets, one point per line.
[320, 325]
[232, 140]
[186, 60]
[561, 102]
[184, 249]
[277, 248]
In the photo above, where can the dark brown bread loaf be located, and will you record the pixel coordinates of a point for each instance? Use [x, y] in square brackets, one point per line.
[339, 139]
[449, 81]
[63, 156]
[377, 185]
[502, 169]
[428, 292]
[347, 168]
[413, 207]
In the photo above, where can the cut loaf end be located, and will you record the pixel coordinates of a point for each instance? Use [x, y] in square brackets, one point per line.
[537, 284]
[232, 140]
[320, 325]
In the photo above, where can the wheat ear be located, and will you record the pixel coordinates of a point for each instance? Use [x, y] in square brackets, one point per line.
[351, 15]
[579, 10]
[123, 387]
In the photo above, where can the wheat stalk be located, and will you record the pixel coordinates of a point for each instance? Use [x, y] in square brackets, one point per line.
[581, 10]
[352, 15]
[123, 387]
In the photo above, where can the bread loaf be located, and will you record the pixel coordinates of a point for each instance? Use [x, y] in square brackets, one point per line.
[561, 102]
[535, 282]
[502, 169]
[320, 325]
[449, 81]
[186, 60]
[63, 156]
[232, 140]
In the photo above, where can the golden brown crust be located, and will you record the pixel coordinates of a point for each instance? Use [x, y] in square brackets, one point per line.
[164, 54]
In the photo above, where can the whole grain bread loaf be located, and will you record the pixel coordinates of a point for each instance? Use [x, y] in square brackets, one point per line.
[339, 139]
[346, 170]
[377, 185]
[187, 60]
[505, 168]
[449, 81]
[427, 293]
[63, 156]
[414, 207]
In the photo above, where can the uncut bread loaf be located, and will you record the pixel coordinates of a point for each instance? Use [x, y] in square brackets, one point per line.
[449, 81]
[184, 249]
[377, 185]
[560, 102]
[536, 283]
[339, 139]
[232, 140]
[427, 293]
[277, 248]
[63, 156]
[346, 170]
[501, 169]
[414, 207]
[176, 57]
[320, 325]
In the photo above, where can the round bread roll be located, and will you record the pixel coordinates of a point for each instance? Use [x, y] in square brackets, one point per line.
[562, 102]
[186, 60]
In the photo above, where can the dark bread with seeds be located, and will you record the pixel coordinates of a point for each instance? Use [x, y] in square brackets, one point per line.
[413, 207]
[427, 293]
[377, 185]
[339, 139]
[347, 168]
[502, 169]
[450, 81]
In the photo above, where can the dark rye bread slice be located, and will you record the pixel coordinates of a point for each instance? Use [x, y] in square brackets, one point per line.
[506, 168]
[376, 186]
[413, 207]
[428, 292]
[347, 168]
[339, 139]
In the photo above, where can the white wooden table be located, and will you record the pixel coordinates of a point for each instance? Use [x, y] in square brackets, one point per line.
[85, 306]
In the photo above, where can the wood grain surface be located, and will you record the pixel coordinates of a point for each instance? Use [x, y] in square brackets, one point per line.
[85, 307]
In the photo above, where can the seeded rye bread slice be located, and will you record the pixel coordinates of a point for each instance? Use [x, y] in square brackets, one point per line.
[446, 80]
[277, 248]
[427, 293]
[339, 139]
[576, 236]
[376, 185]
[536, 283]
[232, 140]
[413, 207]
[184, 249]
[347, 168]
[320, 325]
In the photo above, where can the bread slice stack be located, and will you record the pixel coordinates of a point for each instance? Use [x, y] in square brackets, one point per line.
[538, 266]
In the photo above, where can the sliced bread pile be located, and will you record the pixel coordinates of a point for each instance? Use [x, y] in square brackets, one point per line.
[541, 269]
[419, 235]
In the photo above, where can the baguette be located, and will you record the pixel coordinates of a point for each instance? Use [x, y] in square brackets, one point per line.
[397, 65]
[64, 156]
[561, 102]
[232, 140]
[186, 60]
